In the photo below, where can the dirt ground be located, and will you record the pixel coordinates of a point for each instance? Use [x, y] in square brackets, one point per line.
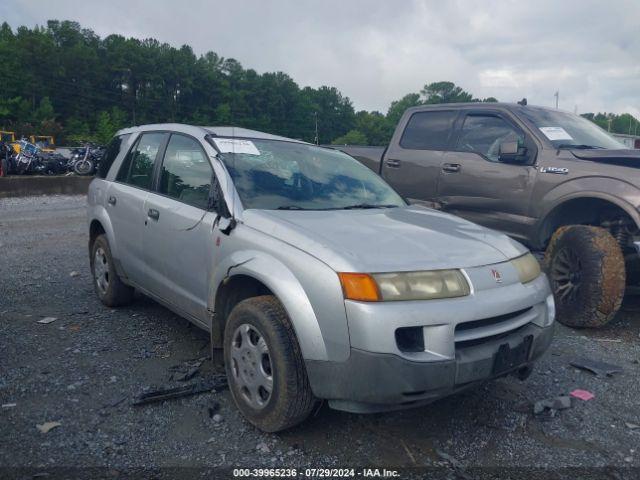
[84, 369]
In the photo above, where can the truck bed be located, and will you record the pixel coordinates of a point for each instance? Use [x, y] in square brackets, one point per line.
[369, 156]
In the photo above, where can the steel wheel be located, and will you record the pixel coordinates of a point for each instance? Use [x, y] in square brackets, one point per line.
[566, 274]
[101, 270]
[251, 366]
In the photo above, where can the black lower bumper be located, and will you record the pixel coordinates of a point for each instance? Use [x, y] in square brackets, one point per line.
[371, 382]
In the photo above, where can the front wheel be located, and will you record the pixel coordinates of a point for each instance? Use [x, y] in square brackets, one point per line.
[83, 167]
[265, 370]
[587, 273]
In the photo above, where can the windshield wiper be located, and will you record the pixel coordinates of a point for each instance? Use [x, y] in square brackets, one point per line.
[578, 146]
[290, 207]
[365, 206]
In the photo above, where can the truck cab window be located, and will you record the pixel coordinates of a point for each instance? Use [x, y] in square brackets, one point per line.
[428, 130]
[483, 134]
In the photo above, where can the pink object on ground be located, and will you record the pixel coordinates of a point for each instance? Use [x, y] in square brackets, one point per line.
[582, 394]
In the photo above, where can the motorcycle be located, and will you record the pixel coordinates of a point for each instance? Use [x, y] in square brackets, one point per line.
[85, 160]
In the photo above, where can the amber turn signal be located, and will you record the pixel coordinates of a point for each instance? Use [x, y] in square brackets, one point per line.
[359, 286]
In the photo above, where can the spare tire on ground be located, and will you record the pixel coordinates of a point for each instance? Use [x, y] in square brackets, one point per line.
[587, 274]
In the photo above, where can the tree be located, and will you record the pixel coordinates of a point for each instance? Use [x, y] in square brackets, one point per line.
[104, 128]
[352, 137]
[375, 127]
[398, 107]
[445, 92]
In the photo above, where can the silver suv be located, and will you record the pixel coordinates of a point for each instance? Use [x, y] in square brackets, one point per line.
[315, 279]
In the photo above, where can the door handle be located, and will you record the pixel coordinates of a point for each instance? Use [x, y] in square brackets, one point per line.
[451, 167]
[112, 200]
[391, 163]
[153, 213]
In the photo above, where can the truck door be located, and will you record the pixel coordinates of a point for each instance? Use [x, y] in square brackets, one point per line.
[473, 181]
[412, 162]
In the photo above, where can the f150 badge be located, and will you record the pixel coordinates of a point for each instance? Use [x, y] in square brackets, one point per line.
[556, 170]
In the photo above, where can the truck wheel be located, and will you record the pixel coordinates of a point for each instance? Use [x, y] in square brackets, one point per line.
[587, 273]
[111, 290]
[266, 372]
[4, 167]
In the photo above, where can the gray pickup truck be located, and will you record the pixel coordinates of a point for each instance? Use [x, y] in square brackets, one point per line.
[551, 179]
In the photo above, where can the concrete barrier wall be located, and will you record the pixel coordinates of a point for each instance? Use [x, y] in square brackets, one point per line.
[26, 185]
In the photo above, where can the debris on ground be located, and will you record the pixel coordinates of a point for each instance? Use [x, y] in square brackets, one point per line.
[74, 274]
[47, 320]
[8, 405]
[213, 409]
[631, 426]
[455, 464]
[582, 394]
[186, 371]
[47, 426]
[561, 402]
[596, 367]
[219, 382]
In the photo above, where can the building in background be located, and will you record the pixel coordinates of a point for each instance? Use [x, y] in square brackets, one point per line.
[630, 141]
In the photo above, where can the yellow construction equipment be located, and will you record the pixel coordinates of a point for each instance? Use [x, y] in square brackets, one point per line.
[45, 142]
[7, 137]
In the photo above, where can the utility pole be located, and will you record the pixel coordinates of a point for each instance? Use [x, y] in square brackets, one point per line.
[609, 120]
[315, 114]
[557, 95]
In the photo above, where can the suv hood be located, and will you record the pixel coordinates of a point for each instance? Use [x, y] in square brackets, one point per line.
[625, 158]
[386, 240]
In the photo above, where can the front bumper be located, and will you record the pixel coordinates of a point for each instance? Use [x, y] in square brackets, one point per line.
[373, 382]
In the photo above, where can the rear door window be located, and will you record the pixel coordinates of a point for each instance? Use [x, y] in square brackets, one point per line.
[113, 150]
[137, 169]
[428, 130]
[186, 172]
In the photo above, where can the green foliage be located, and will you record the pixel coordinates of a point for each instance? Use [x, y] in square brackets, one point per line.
[445, 92]
[352, 137]
[398, 107]
[93, 86]
[625, 123]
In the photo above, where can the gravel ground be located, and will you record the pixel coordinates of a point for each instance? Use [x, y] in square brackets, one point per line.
[84, 369]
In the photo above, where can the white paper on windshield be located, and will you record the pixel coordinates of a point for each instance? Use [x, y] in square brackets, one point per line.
[556, 133]
[235, 145]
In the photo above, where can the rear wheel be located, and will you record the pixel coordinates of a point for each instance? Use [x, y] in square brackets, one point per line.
[4, 167]
[111, 290]
[587, 273]
[265, 369]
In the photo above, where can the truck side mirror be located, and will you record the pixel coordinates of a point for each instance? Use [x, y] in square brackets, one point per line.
[511, 152]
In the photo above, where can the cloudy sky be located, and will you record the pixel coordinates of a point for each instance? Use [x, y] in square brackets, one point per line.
[376, 51]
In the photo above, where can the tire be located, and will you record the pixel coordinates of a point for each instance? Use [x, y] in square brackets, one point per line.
[111, 290]
[587, 274]
[4, 167]
[290, 401]
[83, 167]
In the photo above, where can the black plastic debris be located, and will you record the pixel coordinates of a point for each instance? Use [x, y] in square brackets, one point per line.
[596, 367]
[218, 383]
[561, 402]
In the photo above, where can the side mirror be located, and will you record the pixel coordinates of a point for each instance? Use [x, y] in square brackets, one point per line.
[511, 152]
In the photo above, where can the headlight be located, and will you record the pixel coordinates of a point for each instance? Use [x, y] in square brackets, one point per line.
[527, 266]
[404, 285]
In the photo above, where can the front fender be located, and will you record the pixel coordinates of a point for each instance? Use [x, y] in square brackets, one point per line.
[617, 192]
[322, 331]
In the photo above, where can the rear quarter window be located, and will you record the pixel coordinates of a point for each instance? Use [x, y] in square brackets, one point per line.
[428, 130]
[116, 145]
